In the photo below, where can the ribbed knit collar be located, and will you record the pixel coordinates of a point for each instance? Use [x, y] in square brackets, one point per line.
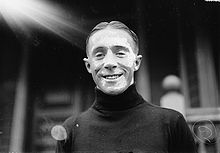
[128, 99]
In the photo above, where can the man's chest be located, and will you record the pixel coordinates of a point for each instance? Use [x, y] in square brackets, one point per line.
[136, 138]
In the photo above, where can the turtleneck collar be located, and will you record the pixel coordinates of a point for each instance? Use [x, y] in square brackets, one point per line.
[126, 100]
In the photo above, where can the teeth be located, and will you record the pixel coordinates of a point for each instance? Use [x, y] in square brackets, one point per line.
[112, 76]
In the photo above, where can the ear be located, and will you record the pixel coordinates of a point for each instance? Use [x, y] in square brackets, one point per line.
[137, 62]
[87, 64]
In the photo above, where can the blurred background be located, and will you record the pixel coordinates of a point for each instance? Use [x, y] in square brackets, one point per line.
[43, 79]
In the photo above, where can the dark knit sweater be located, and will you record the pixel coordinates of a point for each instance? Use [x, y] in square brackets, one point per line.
[126, 123]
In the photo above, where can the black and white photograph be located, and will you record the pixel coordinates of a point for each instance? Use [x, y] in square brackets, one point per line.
[110, 76]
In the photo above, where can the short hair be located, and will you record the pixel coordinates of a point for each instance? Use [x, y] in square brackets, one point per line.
[114, 25]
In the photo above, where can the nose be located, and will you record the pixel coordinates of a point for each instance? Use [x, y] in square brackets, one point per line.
[110, 61]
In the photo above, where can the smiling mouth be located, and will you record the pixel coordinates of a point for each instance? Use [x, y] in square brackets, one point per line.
[112, 77]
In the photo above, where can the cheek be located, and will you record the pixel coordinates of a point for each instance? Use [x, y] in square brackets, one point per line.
[129, 70]
[96, 66]
[127, 63]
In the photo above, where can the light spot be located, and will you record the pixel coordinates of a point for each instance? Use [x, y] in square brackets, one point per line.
[205, 131]
[59, 133]
[24, 15]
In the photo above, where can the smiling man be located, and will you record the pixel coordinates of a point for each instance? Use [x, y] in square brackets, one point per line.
[112, 59]
[120, 120]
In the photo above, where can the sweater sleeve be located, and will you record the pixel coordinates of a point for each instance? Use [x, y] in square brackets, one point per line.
[65, 146]
[180, 137]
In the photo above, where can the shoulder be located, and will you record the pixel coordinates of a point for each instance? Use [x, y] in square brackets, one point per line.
[161, 111]
[176, 124]
[72, 121]
[69, 123]
[164, 115]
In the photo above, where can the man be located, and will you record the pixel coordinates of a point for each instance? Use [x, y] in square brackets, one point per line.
[120, 120]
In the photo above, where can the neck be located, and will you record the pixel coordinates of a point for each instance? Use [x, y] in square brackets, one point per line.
[132, 82]
[126, 100]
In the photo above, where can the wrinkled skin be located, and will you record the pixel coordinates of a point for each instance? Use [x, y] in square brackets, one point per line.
[112, 60]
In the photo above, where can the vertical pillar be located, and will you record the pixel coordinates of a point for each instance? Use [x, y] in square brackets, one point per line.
[206, 73]
[184, 78]
[143, 77]
[19, 111]
[183, 64]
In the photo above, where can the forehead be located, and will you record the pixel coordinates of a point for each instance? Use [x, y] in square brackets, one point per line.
[110, 37]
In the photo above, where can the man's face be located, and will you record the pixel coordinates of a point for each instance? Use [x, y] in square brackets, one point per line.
[111, 60]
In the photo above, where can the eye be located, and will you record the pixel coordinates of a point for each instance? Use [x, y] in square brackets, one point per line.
[99, 55]
[121, 53]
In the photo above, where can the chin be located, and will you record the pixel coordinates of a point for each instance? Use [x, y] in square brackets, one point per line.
[114, 90]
